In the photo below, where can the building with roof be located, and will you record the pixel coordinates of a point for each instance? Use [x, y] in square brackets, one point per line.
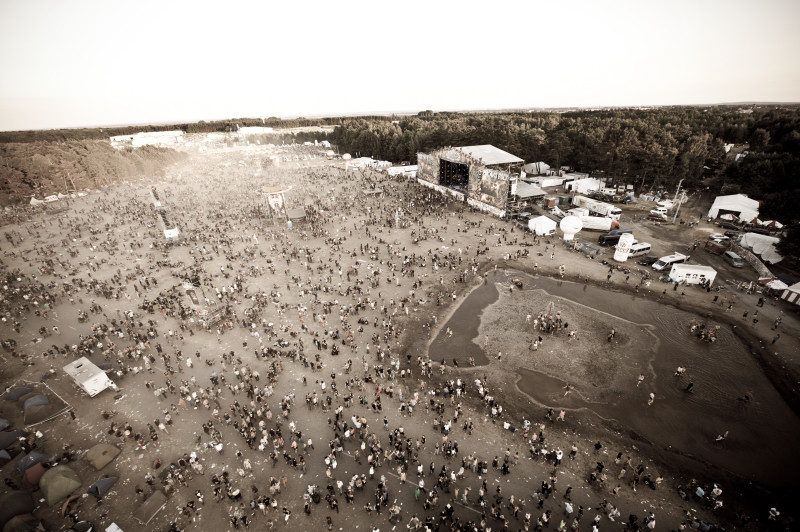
[738, 205]
[483, 176]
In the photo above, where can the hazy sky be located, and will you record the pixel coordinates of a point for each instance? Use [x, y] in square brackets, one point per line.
[87, 63]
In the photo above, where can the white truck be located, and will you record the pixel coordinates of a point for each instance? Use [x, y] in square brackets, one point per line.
[693, 274]
[597, 207]
[599, 223]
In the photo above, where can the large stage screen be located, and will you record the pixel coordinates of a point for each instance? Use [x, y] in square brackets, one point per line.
[428, 168]
[494, 188]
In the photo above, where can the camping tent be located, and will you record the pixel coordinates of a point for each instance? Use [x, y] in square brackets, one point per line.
[738, 204]
[4, 457]
[101, 455]
[150, 507]
[101, 487]
[23, 523]
[4, 424]
[762, 245]
[9, 438]
[539, 168]
[32, 475]
[32, 458]
[17, 392]
[542, 225]
[792, 294]
[14, 503]
[58, 483]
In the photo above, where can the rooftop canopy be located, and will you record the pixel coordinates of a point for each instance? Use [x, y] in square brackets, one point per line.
[490, 155]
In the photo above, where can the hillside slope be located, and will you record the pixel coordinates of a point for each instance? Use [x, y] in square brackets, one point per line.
[44, 168]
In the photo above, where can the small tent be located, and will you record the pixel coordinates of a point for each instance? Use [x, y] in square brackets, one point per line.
[18, 391]
[4, 424]
[149, 508]
[792, 294]
[9, 438]
[14, 503]
[101, 455]
[102, 486]
[32, 475]
[32, 458]
[4, 457]
[542, 225]
[538, 168]
[59, 482]
[24, 523]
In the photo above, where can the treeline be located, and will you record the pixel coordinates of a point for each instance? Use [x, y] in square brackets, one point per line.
[214, 126]
[45, 168]
[650, 148]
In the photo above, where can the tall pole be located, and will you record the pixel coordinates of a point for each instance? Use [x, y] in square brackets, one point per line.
[676, 199]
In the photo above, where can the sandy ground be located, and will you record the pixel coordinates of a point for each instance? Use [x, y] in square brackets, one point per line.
[207, 202]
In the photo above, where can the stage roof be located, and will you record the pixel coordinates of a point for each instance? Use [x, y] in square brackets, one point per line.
[490, 155]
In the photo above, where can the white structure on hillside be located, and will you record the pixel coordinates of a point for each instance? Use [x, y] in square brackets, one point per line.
[88, 376]
[254, 130]
[149, 138]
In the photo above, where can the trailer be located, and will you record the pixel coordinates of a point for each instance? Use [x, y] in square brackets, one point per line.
[598, 223]
[597, 207]
[693, 274]
[715, 247]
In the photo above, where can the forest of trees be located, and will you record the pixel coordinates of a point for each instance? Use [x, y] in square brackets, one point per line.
[650, 148]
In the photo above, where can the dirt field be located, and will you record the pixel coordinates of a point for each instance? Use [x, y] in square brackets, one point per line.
[380, 277]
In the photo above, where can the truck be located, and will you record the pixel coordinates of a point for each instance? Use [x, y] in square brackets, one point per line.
[665, 262]
[693, 274]
[597, 207]
[599, 223]
[715, 247]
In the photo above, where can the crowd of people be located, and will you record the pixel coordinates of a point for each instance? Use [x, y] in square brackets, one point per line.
[217, 333]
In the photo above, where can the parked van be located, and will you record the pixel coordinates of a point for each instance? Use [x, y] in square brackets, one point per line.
[608, 239]
[664, 263]
[620, 231]
[638, 249]
[733, 259]
[659, 210]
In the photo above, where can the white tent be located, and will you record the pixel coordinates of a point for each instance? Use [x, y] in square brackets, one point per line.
[792, 294]
[539, 168]
[738, 204]
[542, 225]
[762, 245]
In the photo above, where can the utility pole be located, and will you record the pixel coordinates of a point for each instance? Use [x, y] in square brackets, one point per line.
[676, 199]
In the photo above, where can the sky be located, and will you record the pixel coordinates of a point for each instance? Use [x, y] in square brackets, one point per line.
[87, 63]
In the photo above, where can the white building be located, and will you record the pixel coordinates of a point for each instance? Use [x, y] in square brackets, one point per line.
[254, 130]
[149, 138]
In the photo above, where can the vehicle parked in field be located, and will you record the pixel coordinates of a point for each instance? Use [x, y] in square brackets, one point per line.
[715, 247]
[728, 225]
[648, 260]
[667, 261]
[733, 259]
[657, 217]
